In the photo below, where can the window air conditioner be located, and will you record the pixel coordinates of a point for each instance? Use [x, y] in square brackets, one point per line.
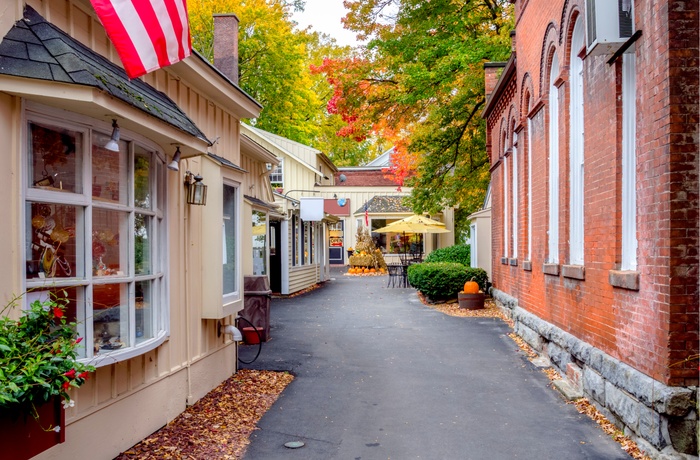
[609, 24]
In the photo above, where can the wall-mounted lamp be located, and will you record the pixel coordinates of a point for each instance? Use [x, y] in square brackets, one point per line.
[268, 166]
[196, 190]
[175, 164]
[342, 178]
[113, 143]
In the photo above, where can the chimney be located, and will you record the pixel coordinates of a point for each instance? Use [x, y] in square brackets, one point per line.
[492, 72]
[226, 45]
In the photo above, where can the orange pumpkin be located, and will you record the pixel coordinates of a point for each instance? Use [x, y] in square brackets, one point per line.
[372, 270]
[471, 287]
[366, 270]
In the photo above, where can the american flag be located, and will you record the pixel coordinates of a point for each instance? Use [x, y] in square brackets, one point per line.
[147, 34]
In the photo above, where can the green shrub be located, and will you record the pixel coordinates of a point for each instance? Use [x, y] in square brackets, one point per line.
[443, 280]
[459, 253]
[438, 280]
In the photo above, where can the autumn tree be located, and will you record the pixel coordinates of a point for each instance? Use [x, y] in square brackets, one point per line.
[274, 62]
[420, 84]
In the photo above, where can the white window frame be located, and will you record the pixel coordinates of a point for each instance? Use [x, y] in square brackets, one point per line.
[514, 229]
[233, 296]
[84, 284]
[529, 187]
[506, 220]
[278, 171]
[576, 149]
[553, 225]
[629, 163]
[474, 246]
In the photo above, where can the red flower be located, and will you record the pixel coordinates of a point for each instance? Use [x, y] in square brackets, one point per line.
[78, 340]
[70, 374]
[57, 312]
[83, 375]
[66, 385]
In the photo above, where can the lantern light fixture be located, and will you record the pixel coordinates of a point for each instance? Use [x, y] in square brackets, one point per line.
[196, 190]
[113, 143]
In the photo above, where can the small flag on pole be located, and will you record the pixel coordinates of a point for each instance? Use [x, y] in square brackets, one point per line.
[147, 35]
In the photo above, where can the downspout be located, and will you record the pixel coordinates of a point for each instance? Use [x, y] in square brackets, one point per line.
[186, 236]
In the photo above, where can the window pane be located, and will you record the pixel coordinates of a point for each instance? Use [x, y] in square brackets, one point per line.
[142, 244]
[144, 311]
[74, 300]
[108, 249]
[229, 243]
[259, 243]
[142, 178]
[55, 158]
[53, 249]
[110, 310]
[108, 170]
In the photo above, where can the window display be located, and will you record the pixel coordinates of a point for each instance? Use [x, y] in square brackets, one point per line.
[259, 243]
[92, 233]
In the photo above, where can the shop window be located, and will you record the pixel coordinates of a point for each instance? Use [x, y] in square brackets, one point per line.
[259, 243]
[229, 244]
[93, 230]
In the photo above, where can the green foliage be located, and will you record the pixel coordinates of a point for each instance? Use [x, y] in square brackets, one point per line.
[459, 253]
[443, 280]
[438, 280]
[38, 355]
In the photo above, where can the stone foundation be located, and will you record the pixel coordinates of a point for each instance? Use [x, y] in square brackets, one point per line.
[662, 420]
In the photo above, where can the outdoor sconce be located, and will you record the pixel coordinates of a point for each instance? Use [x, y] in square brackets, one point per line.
[113, 143]
[268, 166]
[175, 164]
[196, 190]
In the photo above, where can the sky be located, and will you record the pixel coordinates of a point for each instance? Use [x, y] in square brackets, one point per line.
[324, 16]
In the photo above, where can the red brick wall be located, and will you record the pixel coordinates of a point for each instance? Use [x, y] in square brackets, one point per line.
[655, 328]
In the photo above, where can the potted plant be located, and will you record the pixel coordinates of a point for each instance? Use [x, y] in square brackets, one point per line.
[38, 367]
[471, 298]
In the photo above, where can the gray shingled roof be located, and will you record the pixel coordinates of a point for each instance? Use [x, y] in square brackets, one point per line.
[383, 204]
[35, 48]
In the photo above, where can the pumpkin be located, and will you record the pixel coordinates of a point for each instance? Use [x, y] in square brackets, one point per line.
[372, 270]
[471, 287]
[351, 271]
[366, 270]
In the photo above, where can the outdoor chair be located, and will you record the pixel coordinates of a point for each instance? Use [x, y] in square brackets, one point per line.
[395, 274]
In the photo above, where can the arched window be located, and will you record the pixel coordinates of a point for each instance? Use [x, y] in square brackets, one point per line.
[514, 155]
[529, 181]
[553, 226]
[629, 163]
[576, 159]
[506, 223]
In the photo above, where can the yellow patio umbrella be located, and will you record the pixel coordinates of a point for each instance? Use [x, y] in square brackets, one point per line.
[413, 224]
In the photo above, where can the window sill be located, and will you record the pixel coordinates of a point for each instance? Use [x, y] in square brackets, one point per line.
[577, 272]
[527, 265]
[550, 269]
[513, 262]
[625, 279]
[103, 359]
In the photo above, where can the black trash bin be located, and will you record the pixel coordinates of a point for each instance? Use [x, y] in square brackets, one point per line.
[256, 307]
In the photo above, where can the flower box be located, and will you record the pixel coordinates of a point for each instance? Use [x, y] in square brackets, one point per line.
[23, 437]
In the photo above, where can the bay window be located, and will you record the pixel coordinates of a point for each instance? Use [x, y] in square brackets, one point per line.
[94, 233]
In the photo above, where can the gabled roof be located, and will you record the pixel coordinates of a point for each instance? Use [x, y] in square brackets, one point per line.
[383, 204]
[35, 48]
[278, 142]
[383, 160]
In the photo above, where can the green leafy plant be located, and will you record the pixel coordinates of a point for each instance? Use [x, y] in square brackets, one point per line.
[38, 356]
[459, 253]
[443, 280]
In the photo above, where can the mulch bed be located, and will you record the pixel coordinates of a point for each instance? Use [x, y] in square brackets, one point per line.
[218, 425]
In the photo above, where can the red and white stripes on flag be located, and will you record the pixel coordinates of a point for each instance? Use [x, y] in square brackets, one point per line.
[147, 34]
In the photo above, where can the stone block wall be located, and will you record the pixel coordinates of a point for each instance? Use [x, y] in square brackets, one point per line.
[662, 419]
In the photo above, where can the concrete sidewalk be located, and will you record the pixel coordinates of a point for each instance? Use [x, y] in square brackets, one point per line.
[381, 376]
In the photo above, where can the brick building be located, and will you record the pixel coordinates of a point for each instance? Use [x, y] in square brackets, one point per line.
[593, 138]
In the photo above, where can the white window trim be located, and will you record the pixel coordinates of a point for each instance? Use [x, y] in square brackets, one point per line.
[39, 113]
[235, 295]
[514, 231]
[553, 225]
[576, 150]
[629, 163]
[474, 249]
